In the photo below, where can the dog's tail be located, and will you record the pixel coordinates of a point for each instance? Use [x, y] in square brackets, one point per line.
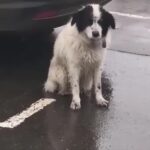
[49, 89]
[50, 86]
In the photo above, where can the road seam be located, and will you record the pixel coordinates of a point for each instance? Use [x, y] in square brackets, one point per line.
[123, 51]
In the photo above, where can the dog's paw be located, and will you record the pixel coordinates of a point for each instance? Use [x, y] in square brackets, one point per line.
[75, 105]
[102, 102]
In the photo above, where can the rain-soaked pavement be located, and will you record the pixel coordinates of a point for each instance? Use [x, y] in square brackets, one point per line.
[126, 82]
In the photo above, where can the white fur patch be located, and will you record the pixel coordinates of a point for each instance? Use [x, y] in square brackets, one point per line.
[96, 11]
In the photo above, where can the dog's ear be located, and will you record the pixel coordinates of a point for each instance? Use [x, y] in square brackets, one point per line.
[76, 17]
[81, 18]
[108, 19]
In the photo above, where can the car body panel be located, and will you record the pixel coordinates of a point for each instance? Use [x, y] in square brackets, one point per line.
[20, 15]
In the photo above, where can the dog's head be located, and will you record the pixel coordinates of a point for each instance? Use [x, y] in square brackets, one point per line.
[93, 21]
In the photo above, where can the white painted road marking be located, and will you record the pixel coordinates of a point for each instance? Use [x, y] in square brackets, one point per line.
[130, 15]
[16, 120]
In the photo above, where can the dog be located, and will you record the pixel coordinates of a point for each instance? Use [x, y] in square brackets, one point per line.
[79, 52]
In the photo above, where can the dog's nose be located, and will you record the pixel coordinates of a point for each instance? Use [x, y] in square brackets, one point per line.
[95, 34]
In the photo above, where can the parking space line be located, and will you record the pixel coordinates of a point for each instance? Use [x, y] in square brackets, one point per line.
[18, 119]
[130, 15]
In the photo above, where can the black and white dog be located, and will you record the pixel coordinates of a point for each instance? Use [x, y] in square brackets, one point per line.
[79, 55]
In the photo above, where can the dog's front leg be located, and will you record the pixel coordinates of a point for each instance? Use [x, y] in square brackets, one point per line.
[74, 74]
[98, 88]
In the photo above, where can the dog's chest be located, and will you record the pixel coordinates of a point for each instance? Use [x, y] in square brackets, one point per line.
[90, 57]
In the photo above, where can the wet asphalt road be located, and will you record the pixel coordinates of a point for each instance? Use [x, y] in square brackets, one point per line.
[126, 82]
[132, 34]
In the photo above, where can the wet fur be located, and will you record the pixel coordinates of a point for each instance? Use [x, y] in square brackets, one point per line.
[77, 61]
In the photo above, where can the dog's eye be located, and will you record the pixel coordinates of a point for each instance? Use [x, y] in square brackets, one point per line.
[100, 21]
[90, 21]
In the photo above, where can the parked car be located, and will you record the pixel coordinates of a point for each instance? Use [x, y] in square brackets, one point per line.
[38, 15]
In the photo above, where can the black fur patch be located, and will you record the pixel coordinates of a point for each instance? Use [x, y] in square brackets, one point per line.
[107, 21]
[99, 87]
[83, 18]
[104, 43]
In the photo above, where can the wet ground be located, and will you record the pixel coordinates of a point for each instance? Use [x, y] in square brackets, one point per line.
[132, 33]
[126, 82]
